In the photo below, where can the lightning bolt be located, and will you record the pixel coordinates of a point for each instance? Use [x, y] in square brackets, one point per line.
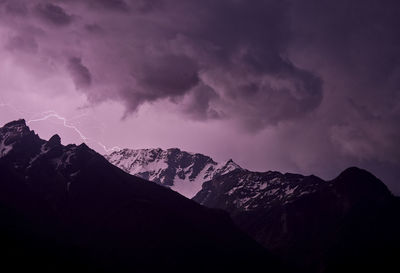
[52, 114]
[110, 150]
[44, 116]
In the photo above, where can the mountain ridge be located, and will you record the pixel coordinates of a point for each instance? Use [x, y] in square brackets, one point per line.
[299, 218]
[179, 170]
[76, 211]
[96, 215]
[310, 223]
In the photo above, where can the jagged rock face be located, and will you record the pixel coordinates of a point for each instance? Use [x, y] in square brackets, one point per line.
[16, 137]
[179, 170]
[243, 190]
[311, 223]
[67, 209]
[40, 160]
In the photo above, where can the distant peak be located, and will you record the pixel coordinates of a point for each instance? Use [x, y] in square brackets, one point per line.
[83, 146]
[355, 171]
[54, 141]
[121, 151]
[172, 150]
[360, 181]
[14, 130]
[18, 122]
[232, 163]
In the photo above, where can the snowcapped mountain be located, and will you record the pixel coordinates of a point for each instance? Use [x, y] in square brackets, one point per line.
[243, 190]
[179, 170]
[298, 218]
[315, 225]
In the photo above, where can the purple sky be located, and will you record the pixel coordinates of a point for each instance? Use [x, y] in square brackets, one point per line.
[307, 86]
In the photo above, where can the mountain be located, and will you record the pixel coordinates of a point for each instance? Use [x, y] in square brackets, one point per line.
[67, 209]
[348, 224]
[243, 190]
[179, 170]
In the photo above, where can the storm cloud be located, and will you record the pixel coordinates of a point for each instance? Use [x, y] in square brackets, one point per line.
[79, 73]
[321, 77]
[53, 14]
[157, 50]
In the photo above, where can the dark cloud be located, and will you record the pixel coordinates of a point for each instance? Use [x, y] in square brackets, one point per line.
[124, 6]
[198, 103]
[118, 5]
[16, 8]
[171, 50]
[80, 73]
[260, 31]
[235, 49]
[94, 29]
[355, 48]
[53, 14]
[167, 76]
[290, 96]
[145, 6]
[23, 43]
[141, 6]
[160, 77]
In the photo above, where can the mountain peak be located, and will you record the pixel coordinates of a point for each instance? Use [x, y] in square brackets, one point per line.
[12, 133]
[176, 150]
[356, 182]
[54, 141]
[15, 128]
[354, 171]
[19, 122]
[230, 162]
[83, 145]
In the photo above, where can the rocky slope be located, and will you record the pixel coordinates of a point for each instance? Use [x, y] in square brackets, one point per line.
[179, 170]
[243, 190]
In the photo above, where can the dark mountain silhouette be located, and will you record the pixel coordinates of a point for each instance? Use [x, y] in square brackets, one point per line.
[67, 209]
[349, 224]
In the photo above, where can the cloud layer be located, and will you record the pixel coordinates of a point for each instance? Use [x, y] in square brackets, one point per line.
[322, 76]
[143, 51]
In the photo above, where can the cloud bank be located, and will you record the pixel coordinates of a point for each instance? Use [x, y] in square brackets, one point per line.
[230, 54]
[323, 76]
